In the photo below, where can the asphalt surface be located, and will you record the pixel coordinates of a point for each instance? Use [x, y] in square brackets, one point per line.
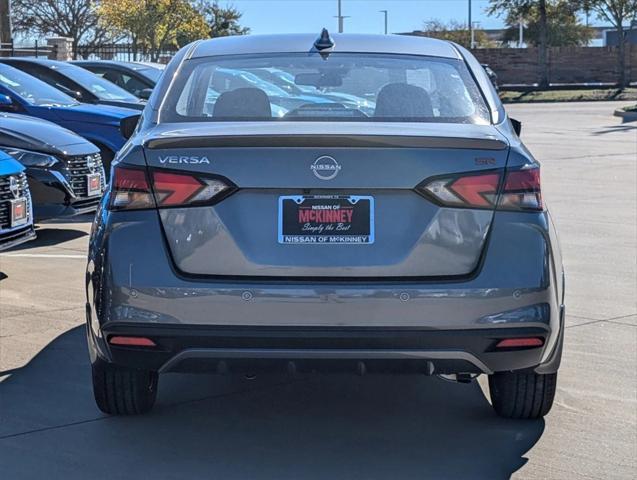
[347, 427]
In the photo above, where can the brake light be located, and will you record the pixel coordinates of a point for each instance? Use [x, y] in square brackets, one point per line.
[131, 189]
[521, 190]
[179, 189]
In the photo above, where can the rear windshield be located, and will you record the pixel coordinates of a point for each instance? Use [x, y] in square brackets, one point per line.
[101, 88]
[32, 90]
[339, 87]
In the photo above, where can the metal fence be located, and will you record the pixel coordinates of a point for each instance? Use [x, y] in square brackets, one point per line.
[34, 50]
[124, 52]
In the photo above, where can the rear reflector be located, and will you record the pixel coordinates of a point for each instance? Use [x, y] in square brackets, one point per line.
[132, 189]
[132, 341]
[520, 343]
[521, 190]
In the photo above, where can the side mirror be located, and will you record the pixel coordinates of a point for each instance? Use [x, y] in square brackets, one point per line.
[128, 125]
[70, 92]
[145, 93]
[517, 126]
[6, 104]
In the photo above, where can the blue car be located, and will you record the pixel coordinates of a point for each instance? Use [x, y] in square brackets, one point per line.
[138, 78]
[102, 125]
[226, 79]
[16, 215]
[76, 82]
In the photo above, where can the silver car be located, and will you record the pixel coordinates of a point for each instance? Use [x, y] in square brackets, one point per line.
[413, 238]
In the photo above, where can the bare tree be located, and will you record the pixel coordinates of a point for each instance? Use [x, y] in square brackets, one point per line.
[618, 12]
[76, 19]
[5, 21]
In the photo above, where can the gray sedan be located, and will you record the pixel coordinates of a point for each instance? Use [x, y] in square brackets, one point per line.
[408, 239]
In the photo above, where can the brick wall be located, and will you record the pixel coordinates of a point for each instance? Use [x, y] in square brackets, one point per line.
[566, 64]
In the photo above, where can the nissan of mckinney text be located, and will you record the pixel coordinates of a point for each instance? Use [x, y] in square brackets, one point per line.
[404, 232]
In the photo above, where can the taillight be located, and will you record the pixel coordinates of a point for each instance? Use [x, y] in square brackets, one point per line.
[180, 189]
[520, 190]
[133, 189]
[130, 189]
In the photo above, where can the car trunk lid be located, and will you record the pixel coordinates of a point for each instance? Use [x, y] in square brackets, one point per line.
[288, 178]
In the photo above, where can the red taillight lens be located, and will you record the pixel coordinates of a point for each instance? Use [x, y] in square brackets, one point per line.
[521, 190]
[180, 189]
[130, 189]
[471, 190]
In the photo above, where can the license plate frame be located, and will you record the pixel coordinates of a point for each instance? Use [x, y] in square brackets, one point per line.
[93, 184]
[356, 211]
[19, 212]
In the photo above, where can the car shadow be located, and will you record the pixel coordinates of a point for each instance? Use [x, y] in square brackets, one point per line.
[81, 218]
[274, 427]
[615, 128]
[46, 237]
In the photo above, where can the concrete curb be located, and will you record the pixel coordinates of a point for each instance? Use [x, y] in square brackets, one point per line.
[627, 116]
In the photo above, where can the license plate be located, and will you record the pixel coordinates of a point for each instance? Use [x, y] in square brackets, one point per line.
[323, 220]
[19, 212]
[94, 183]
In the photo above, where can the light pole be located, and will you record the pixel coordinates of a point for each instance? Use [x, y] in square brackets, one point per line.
[340, 18]
[470, 23]
[521, 34]
[384, 12]
[476, 26]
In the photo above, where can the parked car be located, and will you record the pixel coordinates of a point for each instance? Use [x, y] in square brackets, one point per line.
[285, 80]
[16, 216]
[64, 170]
[136, 78]
[226, 79]
[414, 240]
[100, 124]
[77, 82]
[492, 76]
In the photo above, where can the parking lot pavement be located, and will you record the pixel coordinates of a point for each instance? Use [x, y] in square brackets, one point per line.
[334, 427]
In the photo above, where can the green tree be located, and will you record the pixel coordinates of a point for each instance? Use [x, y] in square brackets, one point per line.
[617, 12]
[521, 9]
[563, 26]
[456, 32]
[222, 21]
[154, 25]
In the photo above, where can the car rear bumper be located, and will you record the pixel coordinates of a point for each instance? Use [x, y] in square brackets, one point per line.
[16, 236]
[438, 326]
[377, 350]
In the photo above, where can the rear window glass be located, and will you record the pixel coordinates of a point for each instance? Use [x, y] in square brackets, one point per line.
[339, 87]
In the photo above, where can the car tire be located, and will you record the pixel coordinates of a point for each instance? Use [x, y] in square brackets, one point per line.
[123, 391]
[522, 395]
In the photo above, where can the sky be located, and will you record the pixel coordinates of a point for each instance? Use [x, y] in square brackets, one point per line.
[294, 16]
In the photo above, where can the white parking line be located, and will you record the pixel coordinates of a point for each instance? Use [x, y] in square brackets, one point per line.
[42, 255]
